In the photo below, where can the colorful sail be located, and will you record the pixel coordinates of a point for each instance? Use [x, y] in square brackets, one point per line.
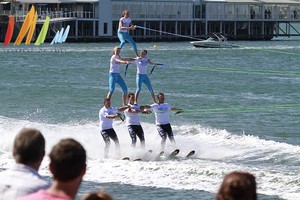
[25, 26]
[10, 30]
[31, 29]
[42, 36]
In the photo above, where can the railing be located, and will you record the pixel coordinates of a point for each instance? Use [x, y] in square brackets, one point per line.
[165, 16]
[249, 17]
[20, 16]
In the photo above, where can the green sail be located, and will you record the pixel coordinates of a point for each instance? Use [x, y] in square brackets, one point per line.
[42, 36]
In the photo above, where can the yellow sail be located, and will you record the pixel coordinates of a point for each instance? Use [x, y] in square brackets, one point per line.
[31, 29]
[42, 36]
[25, 26]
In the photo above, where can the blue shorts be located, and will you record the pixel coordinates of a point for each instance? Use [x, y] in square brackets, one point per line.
[123, 37]
[116, 78]
[143, 78]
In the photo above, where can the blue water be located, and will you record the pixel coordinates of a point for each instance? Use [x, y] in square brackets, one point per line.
[241, 112]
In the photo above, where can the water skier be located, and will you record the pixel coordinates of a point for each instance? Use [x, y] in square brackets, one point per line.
[133, 121]
[114, 74]
[162, 120]
[106, 116]
[141, 76]
[125, 26]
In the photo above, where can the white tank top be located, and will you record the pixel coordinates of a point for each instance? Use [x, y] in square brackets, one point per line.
[132, 118]
[161, 112]
[114, 66]
[106, 123]
[126, 23]
[141, 65]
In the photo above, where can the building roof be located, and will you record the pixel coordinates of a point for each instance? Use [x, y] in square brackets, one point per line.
[281, 1]
[257, 1]
[57, 1]
[225, 1]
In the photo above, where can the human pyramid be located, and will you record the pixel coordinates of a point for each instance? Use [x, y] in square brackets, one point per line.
[130, 105]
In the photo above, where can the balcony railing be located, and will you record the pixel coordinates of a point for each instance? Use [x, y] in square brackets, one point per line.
[20, 16]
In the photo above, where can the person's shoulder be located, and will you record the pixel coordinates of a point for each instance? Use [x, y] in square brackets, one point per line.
[24, 173]
[114, 109]
[154, 105]
[6, 174]
[103, 109]
[40, 194]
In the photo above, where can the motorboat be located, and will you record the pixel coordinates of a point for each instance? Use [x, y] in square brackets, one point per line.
[216, 41]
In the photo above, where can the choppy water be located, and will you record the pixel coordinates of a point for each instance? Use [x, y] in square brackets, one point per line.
[242, 112]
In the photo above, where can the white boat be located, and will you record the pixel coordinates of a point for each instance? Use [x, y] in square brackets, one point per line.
[216, 41]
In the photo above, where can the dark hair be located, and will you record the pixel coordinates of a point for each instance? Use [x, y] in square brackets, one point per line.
[144, 50]
[29, 146]
[161, 93]
[67, 159]
[105, 100]
[238, 186]
[101, 195]
[130, 94]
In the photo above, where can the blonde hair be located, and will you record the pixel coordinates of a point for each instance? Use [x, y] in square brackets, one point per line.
[115, 49]
[124, 13]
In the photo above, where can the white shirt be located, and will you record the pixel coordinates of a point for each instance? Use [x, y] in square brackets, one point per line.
[141, 65]
[114, 66]
[132, 118]
[161, 112]
[106, 123]
[20, 180]
[126, 23]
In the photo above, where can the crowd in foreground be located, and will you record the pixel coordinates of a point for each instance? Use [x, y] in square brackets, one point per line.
[68, 166]
[68, 157]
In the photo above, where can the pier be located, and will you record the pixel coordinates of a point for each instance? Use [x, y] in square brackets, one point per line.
[97, 20]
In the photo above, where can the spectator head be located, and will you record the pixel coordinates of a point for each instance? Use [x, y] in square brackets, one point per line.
[29, 147]
[238, 186]
[67, 160]
[101, 195]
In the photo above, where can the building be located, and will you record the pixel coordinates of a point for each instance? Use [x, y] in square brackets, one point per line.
[97, 20]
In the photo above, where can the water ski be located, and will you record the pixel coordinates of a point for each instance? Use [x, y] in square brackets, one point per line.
[174, 153]
[160, 154]
[190, 154]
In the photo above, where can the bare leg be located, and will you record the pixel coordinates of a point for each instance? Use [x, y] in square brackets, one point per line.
[124, 99]
[136, 96]
[109, 95]
[153, 98]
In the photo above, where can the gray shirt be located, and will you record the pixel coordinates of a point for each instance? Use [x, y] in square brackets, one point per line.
[20, 180]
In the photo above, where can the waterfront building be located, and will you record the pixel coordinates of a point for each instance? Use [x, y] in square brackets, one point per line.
[97, 20]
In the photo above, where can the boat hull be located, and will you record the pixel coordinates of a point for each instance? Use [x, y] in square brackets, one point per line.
[203, 44]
